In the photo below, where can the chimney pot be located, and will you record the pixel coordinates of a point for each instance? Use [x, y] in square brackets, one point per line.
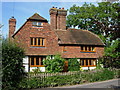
[63, 8]
[53, 7]
[12, 16]
[59, 8]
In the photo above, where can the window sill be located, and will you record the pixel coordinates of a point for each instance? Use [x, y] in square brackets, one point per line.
[89, 66]
[87, 51]
[37, 66]
[37, 26]
[37, 47]
[64, 51]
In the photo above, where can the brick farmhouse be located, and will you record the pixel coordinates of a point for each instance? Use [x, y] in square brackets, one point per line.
[40, 39]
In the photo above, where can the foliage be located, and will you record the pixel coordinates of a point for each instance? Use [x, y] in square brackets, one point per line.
[54, 65]
[112, 55]
[12, 66]
[100, 64]
[100, 19]
[35, 71]
[110, 51]
[30, 83]
[73, 65]
[77, 78]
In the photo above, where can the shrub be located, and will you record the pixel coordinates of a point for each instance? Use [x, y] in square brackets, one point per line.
[73, 65]
[75, 78]
[12, 65]
[54, 65]
[35, 71]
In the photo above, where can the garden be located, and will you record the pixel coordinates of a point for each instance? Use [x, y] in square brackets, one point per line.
[43, 80]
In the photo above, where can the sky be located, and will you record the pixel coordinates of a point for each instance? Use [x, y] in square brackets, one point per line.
[23, 9]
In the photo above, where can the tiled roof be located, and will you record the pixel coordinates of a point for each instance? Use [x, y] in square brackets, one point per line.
[36, 16]
[77, 36]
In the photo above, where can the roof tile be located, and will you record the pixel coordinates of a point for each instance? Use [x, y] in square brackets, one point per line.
[77, 36]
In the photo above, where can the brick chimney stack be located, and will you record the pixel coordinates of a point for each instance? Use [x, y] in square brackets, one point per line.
[58, 18]
[12, 26]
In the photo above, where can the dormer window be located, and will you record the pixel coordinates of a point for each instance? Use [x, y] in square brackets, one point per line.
[36, 24]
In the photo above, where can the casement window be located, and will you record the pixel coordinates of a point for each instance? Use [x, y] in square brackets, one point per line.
[36, 61]
[64, 49]
[36, 41]
[87, 49]
[87, 62]
[37, 24]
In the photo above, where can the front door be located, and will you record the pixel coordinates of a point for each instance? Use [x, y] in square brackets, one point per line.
[65, 66]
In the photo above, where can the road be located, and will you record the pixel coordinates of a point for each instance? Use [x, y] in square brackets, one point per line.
[114, 83]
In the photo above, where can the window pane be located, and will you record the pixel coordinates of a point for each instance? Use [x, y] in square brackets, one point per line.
[93, 48]
[87, 62]
[89, 48]
[34, 23]
[37, 60]
[82, 62]
[85, 48]
[90, 62]
[38, 41]
[94, 62]
[34, 41]
[42, 42]
[81, 47]
[32, 60]
[31, 41]
[39, 23]
[42, 60]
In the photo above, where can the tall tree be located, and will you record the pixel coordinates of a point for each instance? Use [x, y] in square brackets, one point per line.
[100, 19]
[12, 65]
[103, 20]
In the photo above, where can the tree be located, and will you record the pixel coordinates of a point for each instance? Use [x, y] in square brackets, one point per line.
[102, 19]
[112, 55]
[54, 65]
[73, 65]
[12, 65]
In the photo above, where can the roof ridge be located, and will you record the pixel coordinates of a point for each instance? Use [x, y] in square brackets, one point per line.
[37, 16]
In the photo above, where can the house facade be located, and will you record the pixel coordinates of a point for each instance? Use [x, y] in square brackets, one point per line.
[40, 39]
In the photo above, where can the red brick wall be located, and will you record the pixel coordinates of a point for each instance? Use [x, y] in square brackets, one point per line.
[27, 31]
[74, 52]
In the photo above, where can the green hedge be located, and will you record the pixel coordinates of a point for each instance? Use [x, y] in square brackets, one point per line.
[78, 78]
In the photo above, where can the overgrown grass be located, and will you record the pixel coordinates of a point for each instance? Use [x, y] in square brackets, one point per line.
[60, 80]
